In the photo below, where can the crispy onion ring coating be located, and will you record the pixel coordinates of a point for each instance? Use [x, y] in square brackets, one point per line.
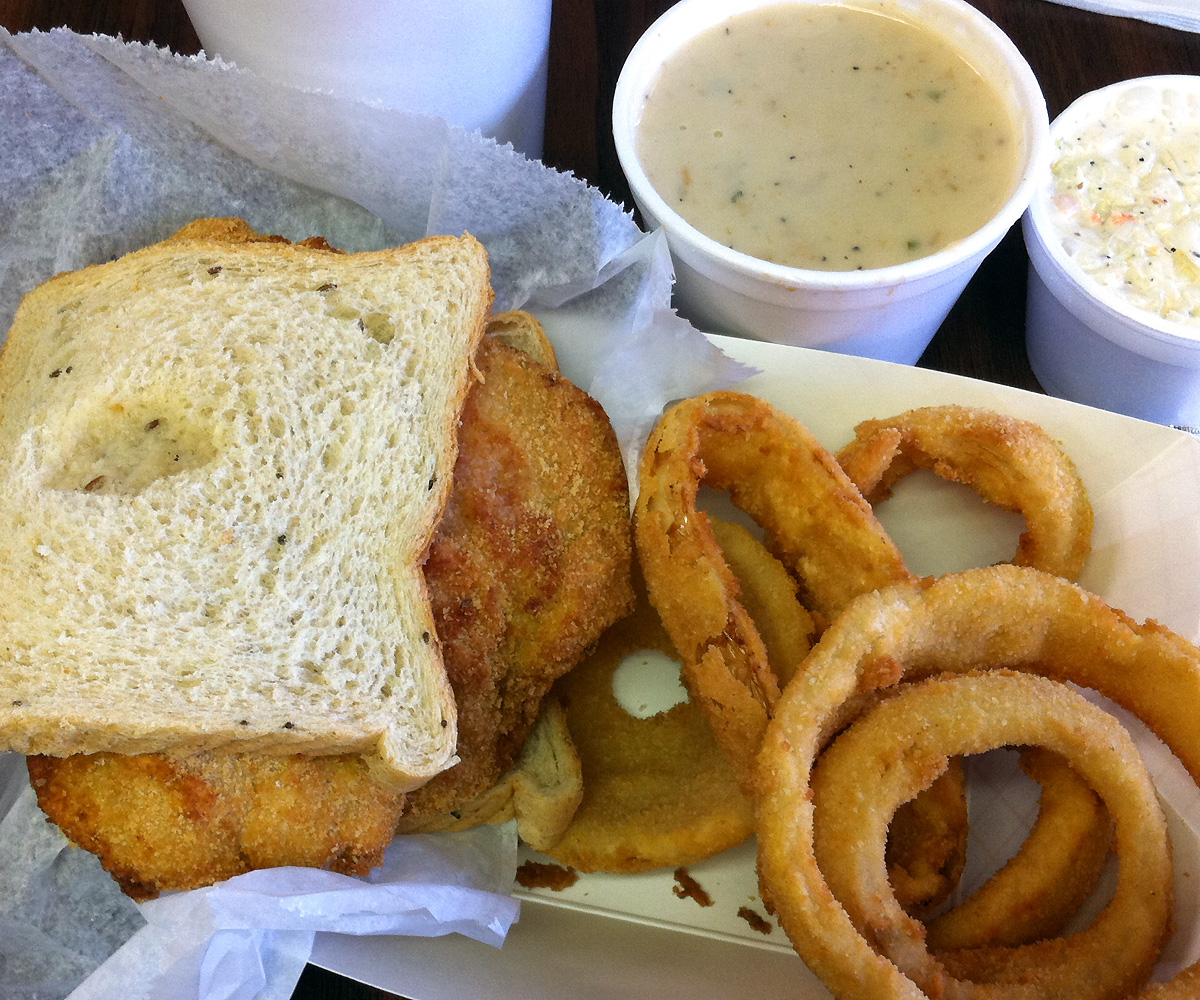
[1011, 463]
[1036, 893]
[927, 843]
[814, 521]
[657, 791]
[892, 752]
[1017, 466]
[975, 620]
[768, 593]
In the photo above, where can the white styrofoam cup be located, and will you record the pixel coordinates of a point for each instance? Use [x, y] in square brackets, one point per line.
[890, 313]
[1086, 342]
[480, 64]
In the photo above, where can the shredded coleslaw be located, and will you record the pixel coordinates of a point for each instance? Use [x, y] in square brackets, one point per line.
[1128, 199]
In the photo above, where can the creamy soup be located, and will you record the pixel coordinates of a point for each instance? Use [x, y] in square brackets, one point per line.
[828, 136]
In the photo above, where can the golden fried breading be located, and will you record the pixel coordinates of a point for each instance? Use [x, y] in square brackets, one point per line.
[657, 791]
[531, 562]
[521, 330]
[1011, 463]
[768, 592]
[160, 823]
[531, 565]
[927, 842]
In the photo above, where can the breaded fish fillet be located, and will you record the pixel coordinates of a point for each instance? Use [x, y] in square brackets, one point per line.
[531, 564]
[160, 823]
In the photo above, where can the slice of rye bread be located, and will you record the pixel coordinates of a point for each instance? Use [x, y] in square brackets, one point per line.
[221, 464]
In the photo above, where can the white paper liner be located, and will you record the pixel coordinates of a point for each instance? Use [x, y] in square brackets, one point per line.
[1144, 483]
[107, 146]
[59, 917]
[251, 935]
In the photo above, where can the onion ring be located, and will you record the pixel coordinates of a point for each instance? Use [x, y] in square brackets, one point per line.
[814, 520]
[1011, 463]
[1037, 892]
[1014, 616]
[927, 846]
[1017, 466]
[1185, 986]
[894, 749]
[927, 842]
[768, 594]
[657, 791]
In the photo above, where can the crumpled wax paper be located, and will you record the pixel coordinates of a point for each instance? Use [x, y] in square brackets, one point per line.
[107, 146]
[251, 935]
[65, 928]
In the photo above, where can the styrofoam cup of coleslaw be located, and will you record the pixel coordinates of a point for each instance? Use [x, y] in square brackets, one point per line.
[1113, 232]
[889, 312]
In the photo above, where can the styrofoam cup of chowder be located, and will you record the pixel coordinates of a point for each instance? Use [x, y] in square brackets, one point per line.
[1113, 233]
[828, 175]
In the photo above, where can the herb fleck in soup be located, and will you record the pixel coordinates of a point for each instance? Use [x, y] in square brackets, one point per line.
[829, 137]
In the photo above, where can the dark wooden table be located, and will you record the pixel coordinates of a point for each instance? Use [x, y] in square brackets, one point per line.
[1071, 51]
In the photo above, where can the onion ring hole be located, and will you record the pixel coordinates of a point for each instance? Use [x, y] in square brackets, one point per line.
[646, 683]
[943, 527]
